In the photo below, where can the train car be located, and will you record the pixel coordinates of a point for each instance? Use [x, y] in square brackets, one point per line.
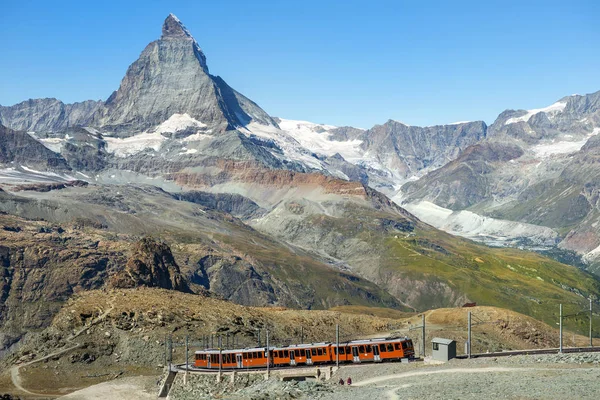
[375, 350]
[231, 359]
[357, 351]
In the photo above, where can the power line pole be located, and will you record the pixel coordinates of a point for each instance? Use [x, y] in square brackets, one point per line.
[186, 358]
[469, 336]
[560, 348]
[301, 334]
[591, 342]
[337, 346]
[423, 333]
[268, 355]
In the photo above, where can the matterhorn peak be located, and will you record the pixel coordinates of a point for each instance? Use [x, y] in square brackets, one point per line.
[173, 28]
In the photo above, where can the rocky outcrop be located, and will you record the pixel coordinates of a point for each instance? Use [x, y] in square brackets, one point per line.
[21, 149]
[150, 264]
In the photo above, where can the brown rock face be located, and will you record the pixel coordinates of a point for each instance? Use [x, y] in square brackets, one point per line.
[248, 172]
[151, 264]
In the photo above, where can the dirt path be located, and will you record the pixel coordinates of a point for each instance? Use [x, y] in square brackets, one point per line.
[15, 373]
[16, 376]
[392, 395]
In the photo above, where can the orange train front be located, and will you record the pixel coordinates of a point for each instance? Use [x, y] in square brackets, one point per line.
[357, 351]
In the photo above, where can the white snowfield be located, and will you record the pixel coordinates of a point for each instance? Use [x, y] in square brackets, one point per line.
[315, 138]
[135, 144]
[545, 150]
[552, 110]
[473, 226]
[179, 122]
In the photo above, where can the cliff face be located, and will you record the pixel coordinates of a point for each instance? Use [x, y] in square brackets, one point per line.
[41, 266]
[19, 148]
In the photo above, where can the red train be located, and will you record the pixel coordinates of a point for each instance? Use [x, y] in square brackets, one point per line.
[357, 351]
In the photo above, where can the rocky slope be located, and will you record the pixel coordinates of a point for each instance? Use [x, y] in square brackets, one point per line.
[18, 148]
[48, 115]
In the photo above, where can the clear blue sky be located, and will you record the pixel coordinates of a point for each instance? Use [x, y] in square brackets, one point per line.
[345, 63]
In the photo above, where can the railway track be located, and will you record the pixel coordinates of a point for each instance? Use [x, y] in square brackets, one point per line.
[533, 352]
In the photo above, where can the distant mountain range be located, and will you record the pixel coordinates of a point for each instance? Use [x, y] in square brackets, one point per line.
[262, 210]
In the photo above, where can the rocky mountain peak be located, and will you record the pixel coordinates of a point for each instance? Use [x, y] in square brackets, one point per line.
[173, 28]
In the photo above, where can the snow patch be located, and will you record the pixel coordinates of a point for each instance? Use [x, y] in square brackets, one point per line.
[546, 150]
[188, 151]
[196, 137]
[552, 109]
[132, 145]
[179, 122]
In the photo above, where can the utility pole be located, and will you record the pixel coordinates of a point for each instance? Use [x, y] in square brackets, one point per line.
[560, 348]
[268, 355]
[423, 333]
[220, 361]
[170, 351]
[301, 334]
[166, 350]
[186, 359]
[220, 341]
[469, 336]
[227, 345]
[591, 342]
[258, 338]
[337, 346]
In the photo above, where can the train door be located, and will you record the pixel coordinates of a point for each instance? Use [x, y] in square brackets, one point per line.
[309, 360]
[355, 356]
[376, 356]
[292, 358]
[240, 363]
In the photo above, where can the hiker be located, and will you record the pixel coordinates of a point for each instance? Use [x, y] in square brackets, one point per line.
[341, 382]
[349, 381]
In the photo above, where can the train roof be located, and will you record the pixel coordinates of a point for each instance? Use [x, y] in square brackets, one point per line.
[305, 345]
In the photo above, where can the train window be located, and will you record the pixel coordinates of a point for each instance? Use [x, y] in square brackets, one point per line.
[361, 349]
[382, 348]
[286, 353]
[347, 350]
[397, 346]
[390, 347]
[319, 351]
[341, 350]
[314, 352]
[369, 349]
[404, 345]
[297, 353]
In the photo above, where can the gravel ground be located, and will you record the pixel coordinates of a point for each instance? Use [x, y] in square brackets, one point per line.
[575, 376]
